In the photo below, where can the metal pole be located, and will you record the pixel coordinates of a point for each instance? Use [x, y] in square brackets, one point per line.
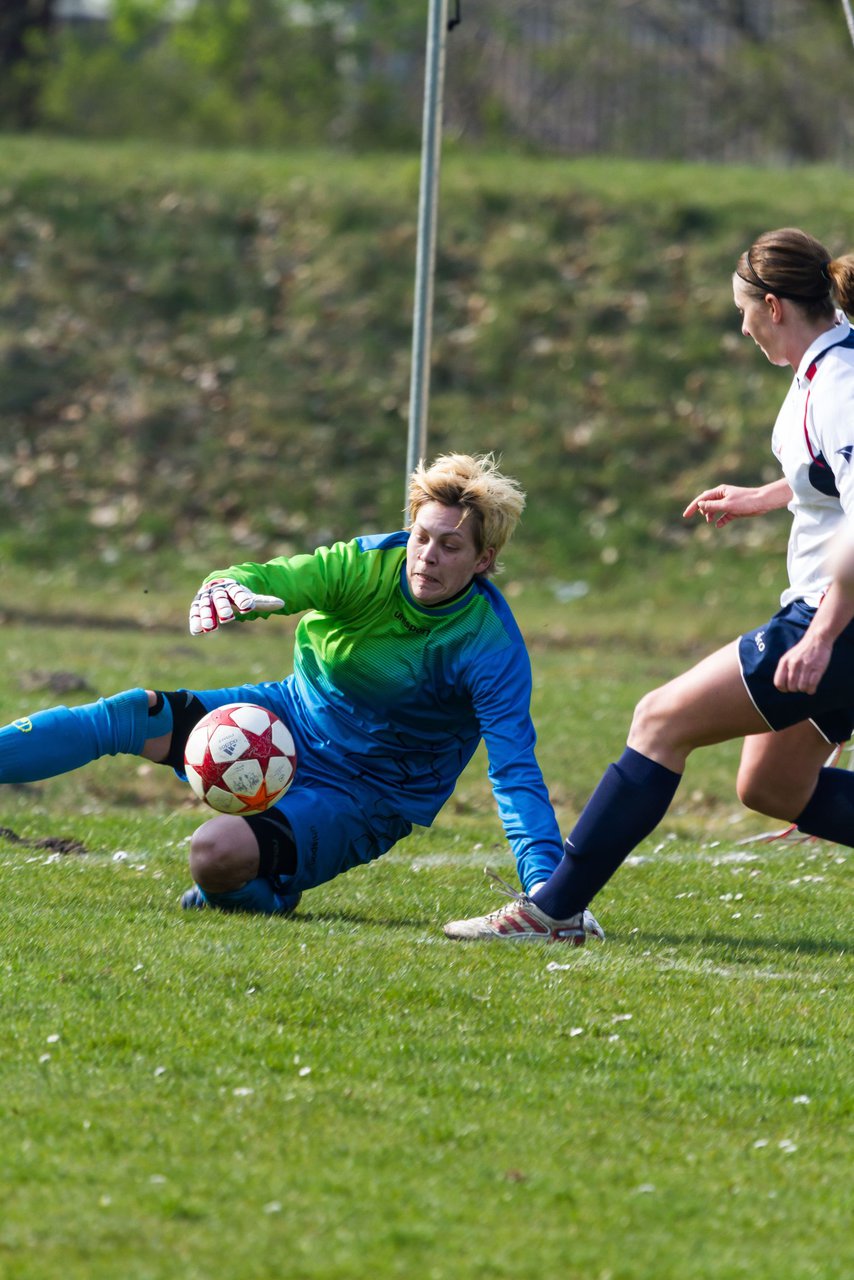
[849, 18]
[431, 147]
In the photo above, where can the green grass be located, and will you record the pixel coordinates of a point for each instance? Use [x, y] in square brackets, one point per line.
[347, 1094]
[205, 358]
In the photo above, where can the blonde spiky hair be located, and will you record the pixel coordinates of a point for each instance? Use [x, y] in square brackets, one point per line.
[492, 501]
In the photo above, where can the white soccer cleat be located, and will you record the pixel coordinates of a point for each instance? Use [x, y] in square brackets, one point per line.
[522, 921]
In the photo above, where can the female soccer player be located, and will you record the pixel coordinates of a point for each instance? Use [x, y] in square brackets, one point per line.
[407, 657]
[786, 687]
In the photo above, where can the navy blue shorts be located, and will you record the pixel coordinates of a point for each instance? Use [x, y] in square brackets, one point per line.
[831, 707]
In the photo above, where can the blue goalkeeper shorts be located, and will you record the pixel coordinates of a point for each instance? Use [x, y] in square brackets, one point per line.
[831, 707]
[334, 821]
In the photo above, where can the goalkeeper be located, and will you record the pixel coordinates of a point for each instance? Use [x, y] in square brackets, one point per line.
[405, 658]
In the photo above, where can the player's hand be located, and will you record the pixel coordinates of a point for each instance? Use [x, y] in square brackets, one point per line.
[802, 667]
[219, 602]
[724, 503]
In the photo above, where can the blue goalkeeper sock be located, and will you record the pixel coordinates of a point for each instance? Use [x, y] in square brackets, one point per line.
[629, 802]
[829, 813]
[257, 897]
[64, 738]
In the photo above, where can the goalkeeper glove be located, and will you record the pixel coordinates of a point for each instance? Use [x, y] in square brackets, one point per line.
[220, 600]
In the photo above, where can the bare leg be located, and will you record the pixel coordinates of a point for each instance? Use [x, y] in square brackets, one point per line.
[705, 705]
[779, 771]
[223, 854]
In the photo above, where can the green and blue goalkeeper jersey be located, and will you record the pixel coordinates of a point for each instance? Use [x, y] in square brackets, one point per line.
[397, 695]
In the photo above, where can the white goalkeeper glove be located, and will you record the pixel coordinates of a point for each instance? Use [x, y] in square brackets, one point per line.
[220, 600]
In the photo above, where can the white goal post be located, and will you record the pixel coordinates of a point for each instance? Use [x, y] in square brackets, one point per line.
[425, 262]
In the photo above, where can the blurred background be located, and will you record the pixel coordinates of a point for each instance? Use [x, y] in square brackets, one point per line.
[763, 80]
[207, 245]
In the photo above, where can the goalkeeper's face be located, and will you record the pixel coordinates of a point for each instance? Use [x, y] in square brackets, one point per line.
[442, 556]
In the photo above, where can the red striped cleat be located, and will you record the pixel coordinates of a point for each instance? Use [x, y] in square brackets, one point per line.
[522, 921]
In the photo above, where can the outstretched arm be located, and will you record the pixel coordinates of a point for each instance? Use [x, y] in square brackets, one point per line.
[726, 502]
[325, 579]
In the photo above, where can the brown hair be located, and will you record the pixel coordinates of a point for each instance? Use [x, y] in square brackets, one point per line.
[492, 501]
[793, 265]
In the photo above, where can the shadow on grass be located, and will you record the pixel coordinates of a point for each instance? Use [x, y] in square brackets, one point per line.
[358, 918]
[734, 950]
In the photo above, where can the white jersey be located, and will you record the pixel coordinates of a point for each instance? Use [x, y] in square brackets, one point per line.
[813, 441]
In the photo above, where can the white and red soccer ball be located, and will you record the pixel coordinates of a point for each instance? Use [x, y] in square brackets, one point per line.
[240, 758]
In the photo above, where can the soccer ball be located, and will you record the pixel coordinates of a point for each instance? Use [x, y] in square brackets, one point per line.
[240, 758]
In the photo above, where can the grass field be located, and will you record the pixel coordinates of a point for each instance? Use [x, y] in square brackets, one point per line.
[347, 1094]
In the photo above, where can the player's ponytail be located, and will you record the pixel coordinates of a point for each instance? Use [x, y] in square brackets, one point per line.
[841, 273]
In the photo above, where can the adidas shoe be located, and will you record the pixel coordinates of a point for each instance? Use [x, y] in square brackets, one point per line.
[193, 899]
[521, 920]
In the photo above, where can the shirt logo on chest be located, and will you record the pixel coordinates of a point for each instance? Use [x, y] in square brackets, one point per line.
[410, 626]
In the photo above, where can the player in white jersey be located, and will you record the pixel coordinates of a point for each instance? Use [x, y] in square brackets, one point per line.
[786, 687]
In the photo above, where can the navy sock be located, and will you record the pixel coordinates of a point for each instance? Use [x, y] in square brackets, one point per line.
[829, 813]
[63, 738]
[629, 802]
